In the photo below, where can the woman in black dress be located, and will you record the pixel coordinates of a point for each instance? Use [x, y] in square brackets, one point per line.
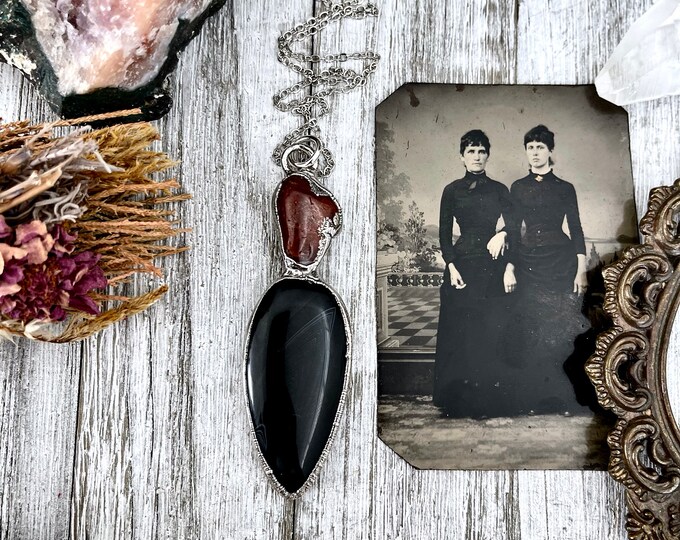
[551, 277]
[478, 276]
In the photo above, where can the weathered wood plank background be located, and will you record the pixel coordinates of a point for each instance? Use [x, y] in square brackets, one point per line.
[142, 431]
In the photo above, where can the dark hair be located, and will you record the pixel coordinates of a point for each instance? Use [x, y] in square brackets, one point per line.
[475, 137]
[541, 134]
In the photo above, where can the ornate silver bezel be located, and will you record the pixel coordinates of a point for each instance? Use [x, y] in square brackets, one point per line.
[327, 230]
[341, 404]
[629, 369]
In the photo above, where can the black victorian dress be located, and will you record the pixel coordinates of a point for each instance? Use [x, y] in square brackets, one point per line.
[469, 379]
[547, 319]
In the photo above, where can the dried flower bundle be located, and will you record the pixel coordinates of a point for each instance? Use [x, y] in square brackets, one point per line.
[80, 212]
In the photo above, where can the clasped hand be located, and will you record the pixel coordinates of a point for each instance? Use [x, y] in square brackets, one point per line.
[496, 246]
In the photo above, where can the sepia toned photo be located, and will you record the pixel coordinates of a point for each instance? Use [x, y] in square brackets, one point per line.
[498, 207]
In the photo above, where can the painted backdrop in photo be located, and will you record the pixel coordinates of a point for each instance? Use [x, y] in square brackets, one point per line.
[421, 125]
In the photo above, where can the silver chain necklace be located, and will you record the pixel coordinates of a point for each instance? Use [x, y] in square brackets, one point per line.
[298, 343]
[308, 153]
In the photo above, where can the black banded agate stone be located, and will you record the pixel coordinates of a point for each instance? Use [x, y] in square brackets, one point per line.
[295, 368]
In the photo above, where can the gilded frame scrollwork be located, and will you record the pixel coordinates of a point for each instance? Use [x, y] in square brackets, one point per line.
[629, 372]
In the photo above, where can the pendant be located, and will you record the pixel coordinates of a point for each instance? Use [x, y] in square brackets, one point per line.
[298, 345]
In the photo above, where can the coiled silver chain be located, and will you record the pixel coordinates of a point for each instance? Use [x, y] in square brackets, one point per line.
[302, 150]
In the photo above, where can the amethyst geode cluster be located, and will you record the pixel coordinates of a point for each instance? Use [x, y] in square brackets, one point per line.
[95, 56]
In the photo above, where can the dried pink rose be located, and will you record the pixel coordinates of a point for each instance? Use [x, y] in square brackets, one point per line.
[7, 254]
[5, 230]
[27, 231]
[63, 241]
[40, 278]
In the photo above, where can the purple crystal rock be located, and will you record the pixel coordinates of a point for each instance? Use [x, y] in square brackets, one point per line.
[295, 366]
[95, 56]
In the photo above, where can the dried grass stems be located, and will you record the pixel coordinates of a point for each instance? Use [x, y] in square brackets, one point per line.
[101, 185]
[126, 217]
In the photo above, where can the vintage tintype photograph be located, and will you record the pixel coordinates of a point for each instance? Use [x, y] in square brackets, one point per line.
[498, 207]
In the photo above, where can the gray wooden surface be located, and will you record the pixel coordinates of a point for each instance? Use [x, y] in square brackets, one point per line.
[142, 431]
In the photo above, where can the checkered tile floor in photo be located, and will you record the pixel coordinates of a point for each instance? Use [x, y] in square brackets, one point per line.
[413, 315]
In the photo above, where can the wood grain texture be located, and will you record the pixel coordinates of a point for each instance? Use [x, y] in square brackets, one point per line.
[142, 431]
[38, 399]
[232, 177]
[567, 42]
[366, 490]
[164, 444]
[37, 424]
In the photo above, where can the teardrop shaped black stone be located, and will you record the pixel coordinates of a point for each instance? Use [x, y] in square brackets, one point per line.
[295, 366]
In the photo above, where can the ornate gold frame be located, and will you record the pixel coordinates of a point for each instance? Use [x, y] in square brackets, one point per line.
[628, 370]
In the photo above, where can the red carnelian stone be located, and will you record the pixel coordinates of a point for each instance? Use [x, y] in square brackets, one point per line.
[301, 213]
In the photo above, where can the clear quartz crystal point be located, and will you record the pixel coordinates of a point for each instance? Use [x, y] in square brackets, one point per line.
[646, 64]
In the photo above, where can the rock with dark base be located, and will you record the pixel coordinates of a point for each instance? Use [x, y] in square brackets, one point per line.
[96, 56]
